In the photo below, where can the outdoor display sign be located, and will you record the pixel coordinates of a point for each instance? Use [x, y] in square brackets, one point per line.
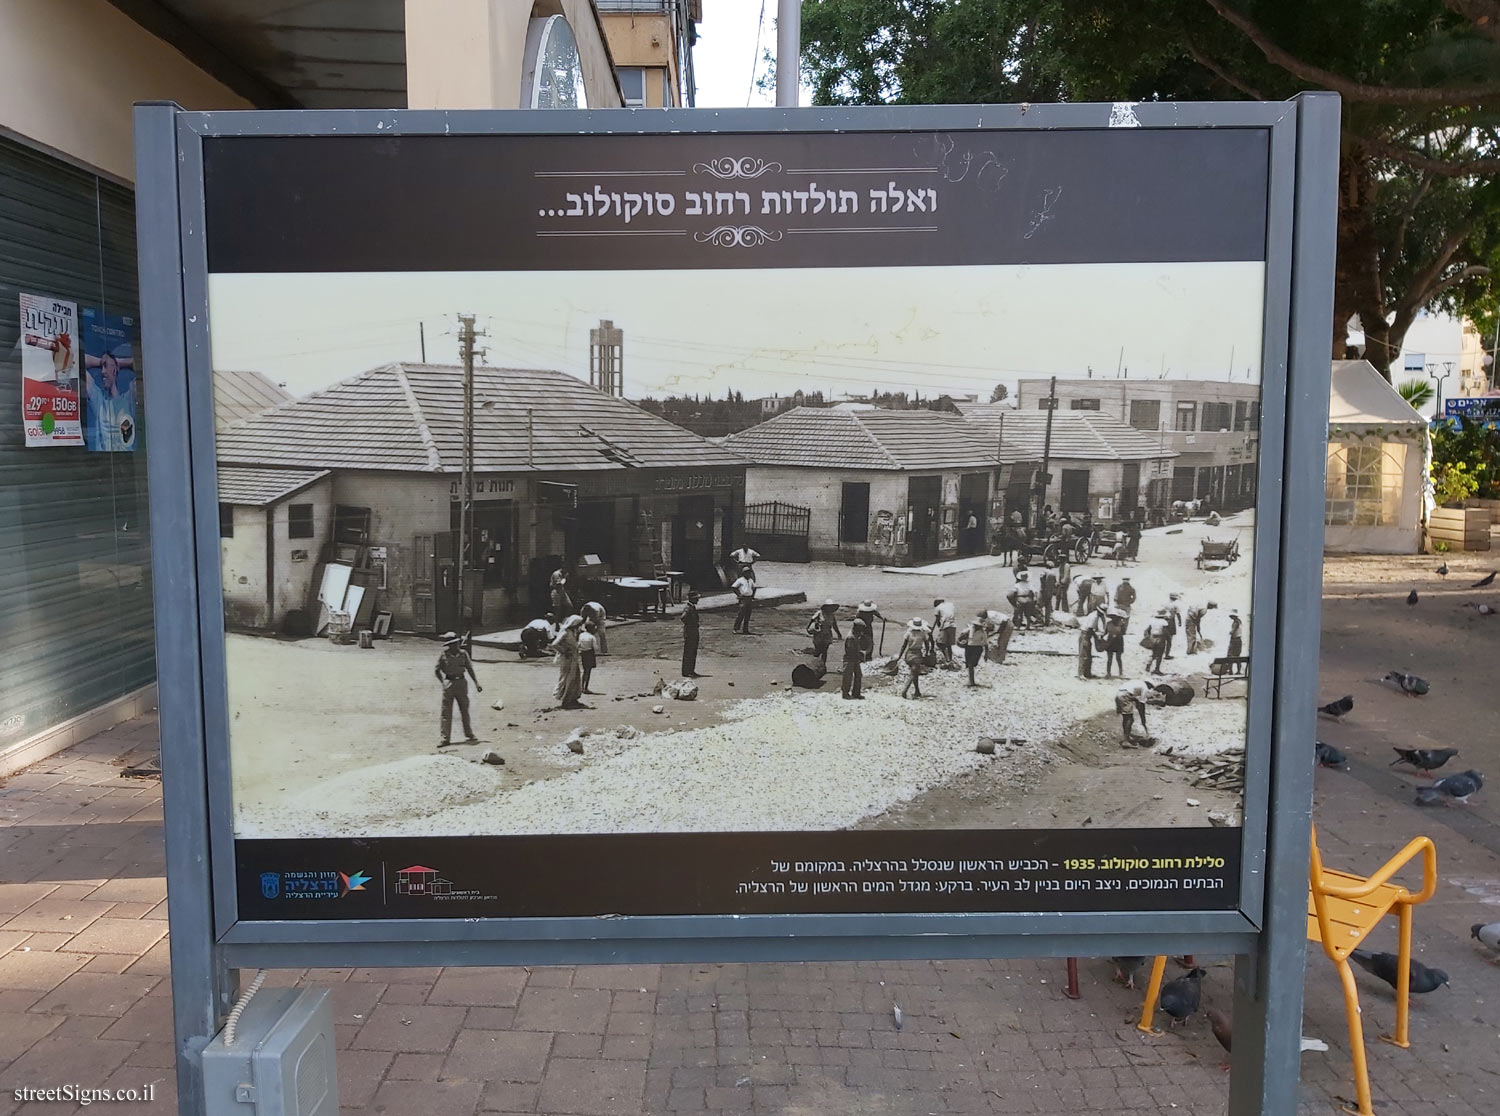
[110, 377]
[1084, 727]
[1478, 408]
[49, 371]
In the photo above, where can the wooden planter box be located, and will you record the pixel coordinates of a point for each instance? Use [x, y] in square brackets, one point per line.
[1460, 528]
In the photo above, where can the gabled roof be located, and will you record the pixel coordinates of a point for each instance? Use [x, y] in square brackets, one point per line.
[238, 395]
[259, 487]
[1077, 435]
[1360, 396]
[409, 417]
[838, 438]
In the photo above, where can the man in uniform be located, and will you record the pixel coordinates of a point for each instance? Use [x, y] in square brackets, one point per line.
[453, 670]
[690, 637]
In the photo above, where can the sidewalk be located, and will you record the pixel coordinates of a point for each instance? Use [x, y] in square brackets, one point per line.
[84, 998]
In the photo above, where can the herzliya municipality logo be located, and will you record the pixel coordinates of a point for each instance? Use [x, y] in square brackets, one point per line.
[311, 885]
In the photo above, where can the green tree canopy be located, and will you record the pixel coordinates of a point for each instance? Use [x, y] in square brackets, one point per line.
[1419, 197]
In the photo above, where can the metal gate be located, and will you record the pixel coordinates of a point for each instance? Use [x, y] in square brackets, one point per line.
[779, 531]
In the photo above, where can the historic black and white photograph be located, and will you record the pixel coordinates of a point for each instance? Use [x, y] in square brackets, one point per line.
[737, 550]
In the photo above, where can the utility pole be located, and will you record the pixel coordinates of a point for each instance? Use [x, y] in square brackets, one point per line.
[1042, 478]
[467, 335]
[788, 52]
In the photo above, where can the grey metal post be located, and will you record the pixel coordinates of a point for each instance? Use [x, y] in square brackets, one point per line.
[788, 52]
[1268, 983]
[199, 980]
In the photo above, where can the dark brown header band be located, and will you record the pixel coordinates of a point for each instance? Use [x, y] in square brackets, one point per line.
[854, 199]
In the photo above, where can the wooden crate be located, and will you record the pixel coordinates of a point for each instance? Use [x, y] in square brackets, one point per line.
[1460, 528]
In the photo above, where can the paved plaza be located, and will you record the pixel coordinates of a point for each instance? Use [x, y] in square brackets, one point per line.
[85, 999]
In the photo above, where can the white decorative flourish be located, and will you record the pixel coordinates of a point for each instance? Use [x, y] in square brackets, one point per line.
[744, 166]
[737, 236]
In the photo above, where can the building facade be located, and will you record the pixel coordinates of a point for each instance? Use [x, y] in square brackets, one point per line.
[365, 480]
[1093, 462]
[1213, 427]
[885, 487]
[651, 42]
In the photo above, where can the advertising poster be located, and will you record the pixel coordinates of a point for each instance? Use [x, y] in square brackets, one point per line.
[49, 371]
[947, 654]
[109, 381]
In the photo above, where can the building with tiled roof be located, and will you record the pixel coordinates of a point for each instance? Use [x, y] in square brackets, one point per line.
[1212, 425]
[562, 471]
[1094, 462]
[240, 394]
[881, 486]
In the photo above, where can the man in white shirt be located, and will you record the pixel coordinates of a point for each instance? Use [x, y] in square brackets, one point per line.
[944, 628]
[536, 635]
[744, 592]
[744, 559]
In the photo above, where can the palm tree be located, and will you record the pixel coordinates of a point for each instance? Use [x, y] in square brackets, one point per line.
[1416, 392]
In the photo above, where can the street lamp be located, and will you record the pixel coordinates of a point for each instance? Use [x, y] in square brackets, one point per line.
[1447, 371]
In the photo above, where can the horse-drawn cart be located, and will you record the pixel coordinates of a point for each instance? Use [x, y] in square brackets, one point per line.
[1049, 551]
[1214, 555]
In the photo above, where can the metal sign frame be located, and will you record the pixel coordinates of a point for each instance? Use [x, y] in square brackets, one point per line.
[1266, 933]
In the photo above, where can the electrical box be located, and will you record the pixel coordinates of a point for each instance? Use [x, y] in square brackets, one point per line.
[281, 1063]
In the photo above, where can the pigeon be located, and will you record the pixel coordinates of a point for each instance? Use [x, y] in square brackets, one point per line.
[1455, 788]
[1222, 1028]
[1487, 579]
[1329, 756]
[1383, 965]
[1482, 609]
[1487, 935]
[1179, 998]
[1424, 759]
[1412, 598]
[1126, 968]
[1338, 709]
[1410, 684]
[1442, 571]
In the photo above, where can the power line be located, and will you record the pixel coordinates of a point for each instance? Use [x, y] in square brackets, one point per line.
[760, 23]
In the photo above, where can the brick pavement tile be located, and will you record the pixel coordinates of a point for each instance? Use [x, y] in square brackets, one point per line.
[735, 1098]
[111, 994]
[360, 1073]
[577, 1046]
[56, 915]
[686, 1100]
[403, 993]
[134, 910]
[490, 1019]
[83, 1028]
[626, 1047]
[16, 897]
[592, 1088]
[414, 1067]
[630, 1023]
[162, 1055]
[638, 1002]
[10, 939]
[407, 1028]
[625, 978]
[156, 961]
[47, 943]
[480, 987]
[150, 1020]
[388, 976]
[38, 971]
[507, 1096]
[20, 1030]
[429, 1098]
[119, 935]
[563, 1009]
[354, 1003]
[549, 976]
[34, 779]
[61, 1060]
[514, 1056]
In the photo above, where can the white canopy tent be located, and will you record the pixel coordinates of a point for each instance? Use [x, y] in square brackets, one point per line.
[1378, 454]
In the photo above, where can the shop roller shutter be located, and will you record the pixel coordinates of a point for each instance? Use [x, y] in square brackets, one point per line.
[75, 561]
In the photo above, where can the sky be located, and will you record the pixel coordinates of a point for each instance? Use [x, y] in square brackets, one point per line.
[727, 51]
[954, 330]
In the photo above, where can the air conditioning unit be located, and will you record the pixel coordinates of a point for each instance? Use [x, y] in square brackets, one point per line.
[281, 1062]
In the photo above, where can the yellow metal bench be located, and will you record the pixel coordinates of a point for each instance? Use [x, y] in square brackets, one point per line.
[1342, 909]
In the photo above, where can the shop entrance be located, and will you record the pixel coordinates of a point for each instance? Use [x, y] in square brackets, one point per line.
[693, 539]
[973, 488]
[923, 498]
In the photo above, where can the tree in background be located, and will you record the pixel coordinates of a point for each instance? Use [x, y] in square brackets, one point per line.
[1416, 392]
[1465, 460]
[1419, 193]
[1000, 394]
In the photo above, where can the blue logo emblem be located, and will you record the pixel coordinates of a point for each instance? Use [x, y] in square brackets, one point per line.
[270, 884]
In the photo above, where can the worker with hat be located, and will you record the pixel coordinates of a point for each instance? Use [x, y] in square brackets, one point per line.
[824, 629]
[868, 613]
[454, 669]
